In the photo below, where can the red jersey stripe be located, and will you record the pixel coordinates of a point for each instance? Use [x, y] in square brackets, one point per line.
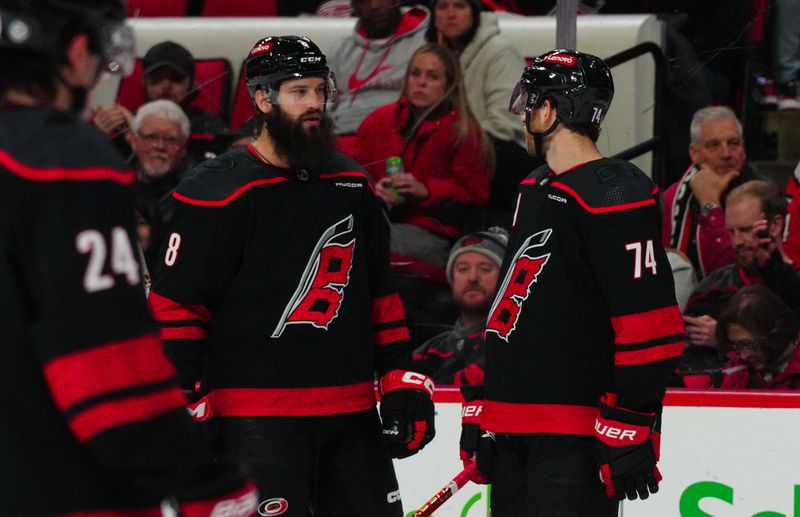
[649, 355]
[87, 373]
[108, 415]
[387, 308]
[169, 333]
[507, 417]
[644, 326]
[604, 209]
[328, 400]
[236, 193]
[165, 309]
[385, 337]
[62, 173]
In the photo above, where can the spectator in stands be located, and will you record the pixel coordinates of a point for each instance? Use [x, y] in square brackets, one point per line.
[490, 65]
[457, 356]
[167, 73]
[754, 215]
[447, 158]
[786, 54]
[159, 139]
[370, 64]
[760, 333]
[694, 221]
[791, 245]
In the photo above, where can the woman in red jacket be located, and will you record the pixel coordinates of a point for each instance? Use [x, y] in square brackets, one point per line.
[761, 333]
[446, 156]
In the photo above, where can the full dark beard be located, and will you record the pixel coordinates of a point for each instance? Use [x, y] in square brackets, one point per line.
[303, 147]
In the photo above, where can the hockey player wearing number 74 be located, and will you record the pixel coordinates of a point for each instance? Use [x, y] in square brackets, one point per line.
[274, 296]
[584, 327]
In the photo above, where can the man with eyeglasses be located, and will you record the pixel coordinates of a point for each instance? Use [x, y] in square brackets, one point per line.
[159, 142]
[93, 421]
[694, 222]
[755, 214]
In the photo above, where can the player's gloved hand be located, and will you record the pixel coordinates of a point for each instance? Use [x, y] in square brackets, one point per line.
[201, 410]
[406, 412]
[627, 450]
[476, 445]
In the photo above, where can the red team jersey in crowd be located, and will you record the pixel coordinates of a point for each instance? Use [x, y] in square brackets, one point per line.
[274, 288]
[93, 421]
[585, 303]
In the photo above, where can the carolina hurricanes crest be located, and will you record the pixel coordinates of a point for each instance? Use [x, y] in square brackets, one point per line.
[319, 295]
[516, 285]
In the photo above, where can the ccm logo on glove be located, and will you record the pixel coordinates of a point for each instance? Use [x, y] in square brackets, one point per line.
[414, 379]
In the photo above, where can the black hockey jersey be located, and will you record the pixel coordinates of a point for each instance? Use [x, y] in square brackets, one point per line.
[274, 288]
[585, 304]
[92, 420]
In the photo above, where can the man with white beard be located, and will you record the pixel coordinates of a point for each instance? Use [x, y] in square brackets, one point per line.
[160, 133]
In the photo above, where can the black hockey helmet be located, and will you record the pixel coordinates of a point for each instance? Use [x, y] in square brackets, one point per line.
[276, 59]
[580, 85]
[36, 26]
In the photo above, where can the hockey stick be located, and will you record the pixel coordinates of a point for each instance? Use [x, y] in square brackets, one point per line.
[458, 482]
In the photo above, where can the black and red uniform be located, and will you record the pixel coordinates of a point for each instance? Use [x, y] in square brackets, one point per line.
[585, 306]
[93, 422]
[274, 294]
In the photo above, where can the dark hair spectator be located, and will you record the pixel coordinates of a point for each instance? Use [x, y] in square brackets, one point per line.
[447, 158]
[759, 332]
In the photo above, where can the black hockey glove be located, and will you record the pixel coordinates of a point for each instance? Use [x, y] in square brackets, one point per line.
[406, 411]
[627, 450]
[476, 445]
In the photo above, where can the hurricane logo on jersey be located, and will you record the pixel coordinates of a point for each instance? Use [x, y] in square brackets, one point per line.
[319, 295]
[516, 286]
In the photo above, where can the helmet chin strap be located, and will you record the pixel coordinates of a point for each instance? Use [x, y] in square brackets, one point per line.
[538, 138]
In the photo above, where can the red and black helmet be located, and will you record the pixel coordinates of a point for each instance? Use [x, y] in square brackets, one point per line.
[279, 58]
[580, 85]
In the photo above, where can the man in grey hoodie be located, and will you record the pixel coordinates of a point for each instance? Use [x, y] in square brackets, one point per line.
[370, 64]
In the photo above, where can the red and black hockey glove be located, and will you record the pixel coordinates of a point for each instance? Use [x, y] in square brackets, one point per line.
[476, 445]
[627, 450]
[201, 410]
[406, 412]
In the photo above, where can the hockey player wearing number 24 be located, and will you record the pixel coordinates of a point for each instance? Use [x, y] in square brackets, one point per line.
[584, 327]
[274, 296]
[92, 420]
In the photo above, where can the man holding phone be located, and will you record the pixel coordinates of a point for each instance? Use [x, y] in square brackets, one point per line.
[755, 213]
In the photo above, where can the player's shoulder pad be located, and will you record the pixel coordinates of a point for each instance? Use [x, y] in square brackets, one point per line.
[608, 185]
[64, 148]
[219, 181]
[342, 167]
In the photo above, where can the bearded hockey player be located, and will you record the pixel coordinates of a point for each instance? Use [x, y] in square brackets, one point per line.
[274, 298]
[584, 327]
[93, 420]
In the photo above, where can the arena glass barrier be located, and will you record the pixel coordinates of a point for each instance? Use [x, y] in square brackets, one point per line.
[723, 454]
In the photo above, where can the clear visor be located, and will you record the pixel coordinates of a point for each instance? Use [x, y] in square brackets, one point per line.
[522, 100]
[117, 41]
[301, 89]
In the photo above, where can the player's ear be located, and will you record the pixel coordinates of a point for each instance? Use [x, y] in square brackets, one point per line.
[261, 101]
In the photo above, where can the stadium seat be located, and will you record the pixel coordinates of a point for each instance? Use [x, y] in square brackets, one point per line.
[240, 8]
[243, 107]
[154, 8]
[211, 77]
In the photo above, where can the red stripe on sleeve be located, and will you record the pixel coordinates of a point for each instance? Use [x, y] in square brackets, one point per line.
[165, 309]
[81, 375]
[644, 326]
[649, 355]
[604, 209]
[385, 337]
[387, 309]
[169, 333]
[108, 415]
